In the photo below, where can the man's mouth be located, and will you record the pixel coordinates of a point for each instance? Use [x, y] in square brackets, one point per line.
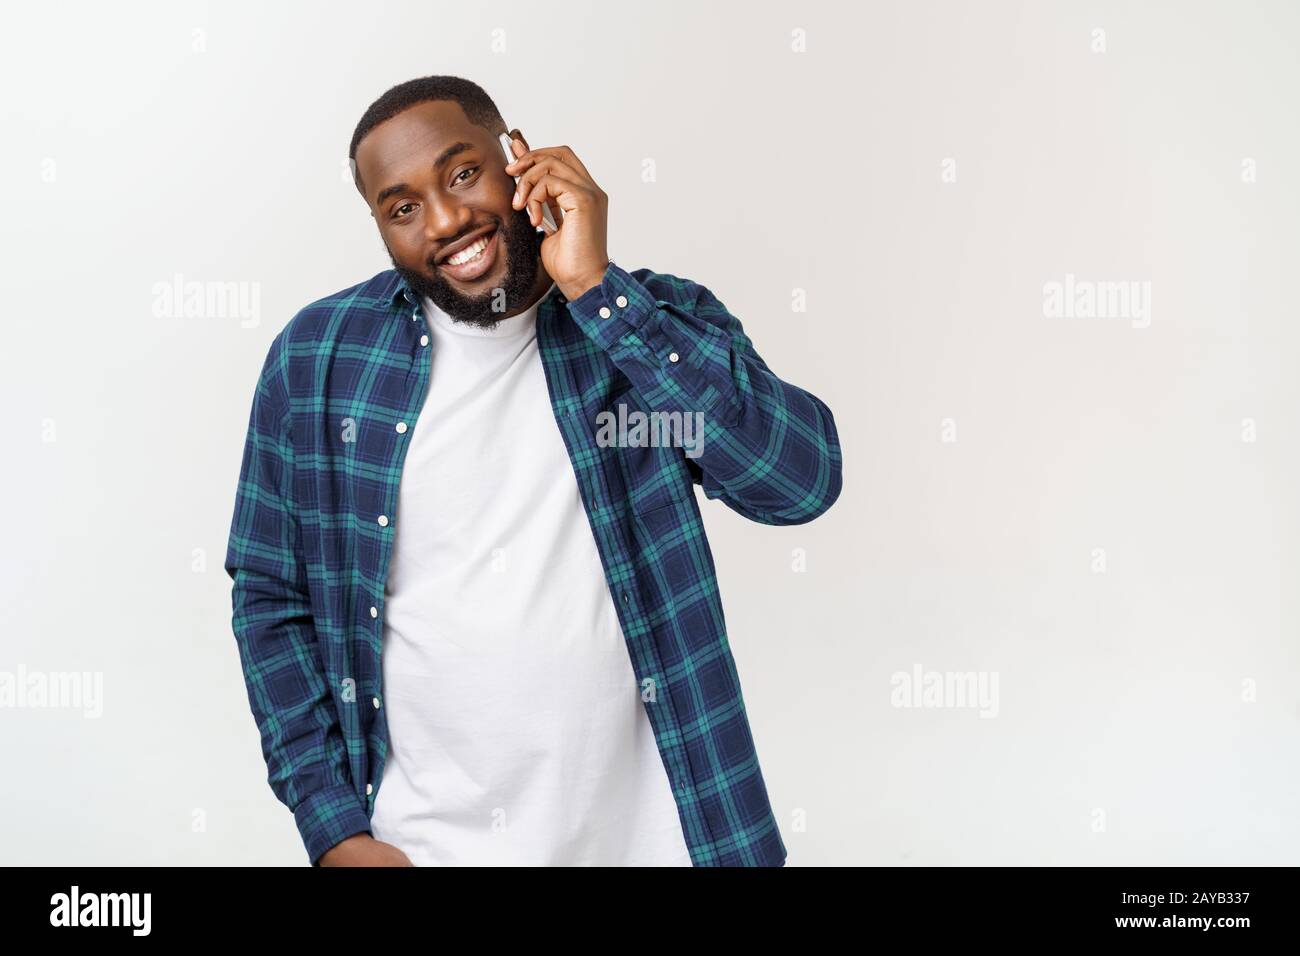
[474, 260]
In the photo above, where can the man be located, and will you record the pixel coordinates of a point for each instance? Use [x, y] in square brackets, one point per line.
[477, 626]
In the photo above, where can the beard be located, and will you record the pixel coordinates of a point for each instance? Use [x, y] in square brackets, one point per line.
[522, 244]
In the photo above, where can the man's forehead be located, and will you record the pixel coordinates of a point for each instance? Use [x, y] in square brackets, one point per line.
[414, 136]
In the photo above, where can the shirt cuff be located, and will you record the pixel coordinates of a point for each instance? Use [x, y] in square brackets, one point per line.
[615, 307]
[328, 817]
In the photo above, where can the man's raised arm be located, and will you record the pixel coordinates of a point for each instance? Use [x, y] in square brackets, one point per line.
[771, 451]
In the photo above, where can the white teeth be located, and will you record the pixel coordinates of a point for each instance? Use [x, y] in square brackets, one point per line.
[470, 252]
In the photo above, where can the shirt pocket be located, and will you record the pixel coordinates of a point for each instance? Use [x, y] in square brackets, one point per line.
[653, 477]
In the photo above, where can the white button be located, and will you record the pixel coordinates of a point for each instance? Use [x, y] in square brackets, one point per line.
[374, 612]
[672, 357]
[383, 521]
[415, 315]
[376, 703]
[424, 340]
[604, 312]
[622, 301]
[370, 788]
[401, 428]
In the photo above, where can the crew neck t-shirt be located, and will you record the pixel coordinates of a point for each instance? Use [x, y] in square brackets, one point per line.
[517, 732]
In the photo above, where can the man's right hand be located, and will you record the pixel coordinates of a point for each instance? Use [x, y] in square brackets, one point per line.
[362, 849]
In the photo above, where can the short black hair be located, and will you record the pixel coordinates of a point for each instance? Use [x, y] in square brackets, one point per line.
[473, 99]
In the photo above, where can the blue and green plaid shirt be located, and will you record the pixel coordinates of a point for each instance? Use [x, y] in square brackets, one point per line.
[316, 510]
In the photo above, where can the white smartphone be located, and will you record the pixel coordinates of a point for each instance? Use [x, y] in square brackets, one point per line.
[547, 218]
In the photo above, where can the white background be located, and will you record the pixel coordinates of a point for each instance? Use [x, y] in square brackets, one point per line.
[209, 140]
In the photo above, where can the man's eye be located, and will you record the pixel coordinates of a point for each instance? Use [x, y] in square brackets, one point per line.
[400, 208]
[469, 169]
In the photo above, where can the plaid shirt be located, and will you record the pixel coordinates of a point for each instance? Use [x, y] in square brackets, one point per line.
[339, 394]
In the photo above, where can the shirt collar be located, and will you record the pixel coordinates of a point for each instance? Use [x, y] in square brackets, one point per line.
[396, 289]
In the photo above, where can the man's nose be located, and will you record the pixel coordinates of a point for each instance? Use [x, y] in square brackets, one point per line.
[447, 219]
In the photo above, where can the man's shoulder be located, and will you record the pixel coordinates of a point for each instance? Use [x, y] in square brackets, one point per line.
[330, 317]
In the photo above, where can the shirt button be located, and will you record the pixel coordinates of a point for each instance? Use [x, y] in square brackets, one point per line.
[401, 428]
[672, 357]
[622, 301]
[383, 521]
[376, 703]
[370, 788]
[374, 612]
[604, 312]
[424, 340]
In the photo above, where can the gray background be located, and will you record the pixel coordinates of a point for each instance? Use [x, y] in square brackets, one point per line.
[1146, 715]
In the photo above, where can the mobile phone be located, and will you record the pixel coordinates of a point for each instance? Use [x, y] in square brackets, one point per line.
[547, 218]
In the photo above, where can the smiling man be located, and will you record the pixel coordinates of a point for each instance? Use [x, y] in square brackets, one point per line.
[473, 633]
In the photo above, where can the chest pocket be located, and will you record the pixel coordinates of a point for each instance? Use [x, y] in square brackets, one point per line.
[653, 477]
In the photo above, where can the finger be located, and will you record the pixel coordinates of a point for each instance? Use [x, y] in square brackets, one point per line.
[552, 202]
[534, 198]
[517, 149]
[535, 212]
[556, 214]
[564, 153]
[560, 157]
[568, 194]
[537, 167]
[571, 159]
[524, 198]
[513, 166]
[539, 162]
[525, 184]
[524, 159]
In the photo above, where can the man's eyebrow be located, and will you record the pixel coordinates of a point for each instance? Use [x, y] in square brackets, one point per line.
[453, 150]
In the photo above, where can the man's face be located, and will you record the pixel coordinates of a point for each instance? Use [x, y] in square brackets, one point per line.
[433, 179]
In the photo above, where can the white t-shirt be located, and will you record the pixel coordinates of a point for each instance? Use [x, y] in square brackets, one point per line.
[517, 733]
